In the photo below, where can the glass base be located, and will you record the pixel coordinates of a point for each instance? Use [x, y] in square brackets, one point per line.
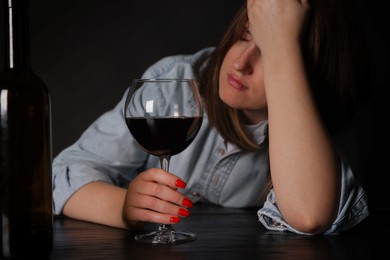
[166, 235]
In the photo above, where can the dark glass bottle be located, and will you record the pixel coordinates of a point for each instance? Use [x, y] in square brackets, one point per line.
[26, 218]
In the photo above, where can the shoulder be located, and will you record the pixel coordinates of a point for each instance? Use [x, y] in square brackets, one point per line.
[182, 66]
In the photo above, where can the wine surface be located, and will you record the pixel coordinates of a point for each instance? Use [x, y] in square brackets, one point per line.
[164, 136]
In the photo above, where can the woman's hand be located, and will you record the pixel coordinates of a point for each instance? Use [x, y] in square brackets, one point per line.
[153, 197]
[276, 24]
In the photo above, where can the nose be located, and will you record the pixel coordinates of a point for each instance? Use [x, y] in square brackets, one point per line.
[244, 61]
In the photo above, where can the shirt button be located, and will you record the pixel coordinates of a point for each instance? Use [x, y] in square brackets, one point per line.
[195, 194]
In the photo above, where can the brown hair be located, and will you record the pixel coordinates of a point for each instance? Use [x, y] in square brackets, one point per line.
[331, 45]
[221, 116]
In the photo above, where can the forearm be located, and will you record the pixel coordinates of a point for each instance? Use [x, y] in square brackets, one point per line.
[97, 202]
[304, 167]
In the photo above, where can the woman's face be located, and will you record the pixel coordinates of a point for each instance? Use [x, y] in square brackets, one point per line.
[241, 80]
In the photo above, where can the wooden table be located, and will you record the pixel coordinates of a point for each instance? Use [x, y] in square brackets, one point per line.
[222, 234]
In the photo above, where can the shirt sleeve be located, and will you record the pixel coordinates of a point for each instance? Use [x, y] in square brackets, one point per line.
[101, 154]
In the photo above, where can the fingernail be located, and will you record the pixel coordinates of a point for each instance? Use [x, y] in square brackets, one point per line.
[180, 184]
[184, 212]
[186, 202]
[175, 219]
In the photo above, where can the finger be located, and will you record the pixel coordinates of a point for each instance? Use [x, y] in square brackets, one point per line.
[163, 192]
[163, 177]
[156, 217]
[161, 206]
[150, 209]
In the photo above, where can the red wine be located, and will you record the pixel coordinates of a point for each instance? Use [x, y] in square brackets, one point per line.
[164, 136]
[26, 216]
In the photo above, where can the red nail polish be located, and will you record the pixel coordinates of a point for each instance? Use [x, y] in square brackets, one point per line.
[184, 212]
[180, 184]
[187, 202]
[175, 219]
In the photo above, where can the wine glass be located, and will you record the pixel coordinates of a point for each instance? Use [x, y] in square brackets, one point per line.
[164, 116]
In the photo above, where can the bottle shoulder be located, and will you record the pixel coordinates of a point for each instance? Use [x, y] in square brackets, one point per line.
[22, 80]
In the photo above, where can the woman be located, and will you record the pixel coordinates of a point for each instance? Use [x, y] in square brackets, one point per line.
[278, 92]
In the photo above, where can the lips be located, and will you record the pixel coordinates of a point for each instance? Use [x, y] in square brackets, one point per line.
[235, 82]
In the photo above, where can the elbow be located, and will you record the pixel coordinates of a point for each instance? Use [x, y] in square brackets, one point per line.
[312, 225]
[311, 220]
[313, 228]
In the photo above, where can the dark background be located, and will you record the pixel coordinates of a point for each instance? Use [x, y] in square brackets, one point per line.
[89, 51]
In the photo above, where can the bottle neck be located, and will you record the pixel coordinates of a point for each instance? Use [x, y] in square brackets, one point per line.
[17, 49]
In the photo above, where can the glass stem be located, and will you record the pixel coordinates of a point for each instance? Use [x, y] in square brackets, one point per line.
[164, 163]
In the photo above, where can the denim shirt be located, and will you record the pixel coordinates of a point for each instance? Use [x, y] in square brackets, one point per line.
[215, 171]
